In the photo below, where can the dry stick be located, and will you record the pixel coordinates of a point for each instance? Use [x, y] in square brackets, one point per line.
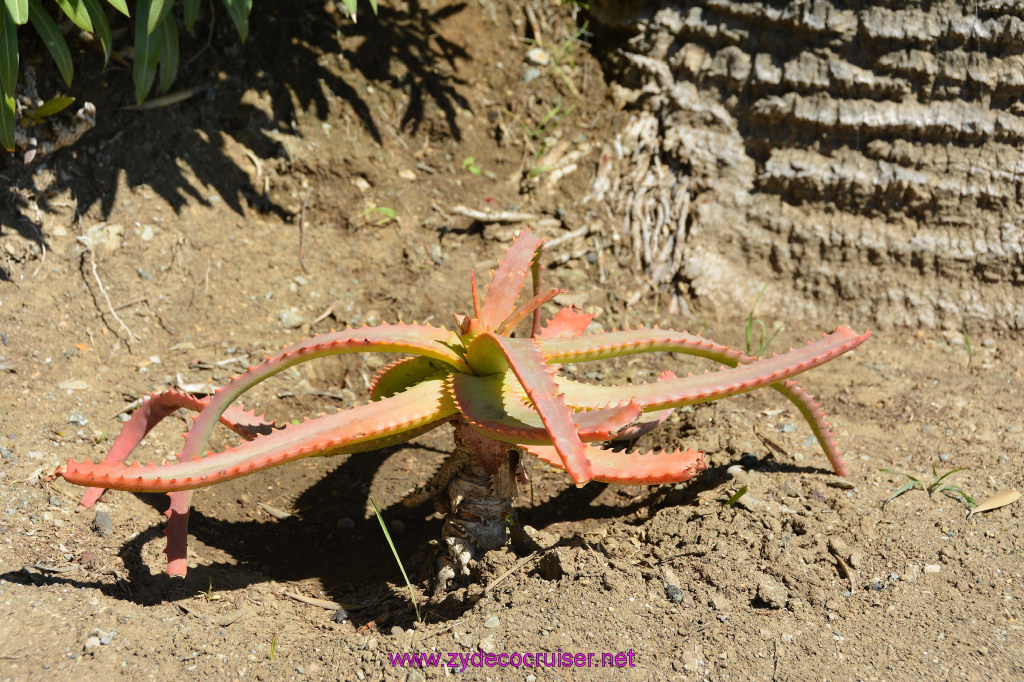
[531, 17]
[495, 216]
[302, 232]
[140, 299]
[324, 315]
[520, 564]
[568, 236]
[110, 307]
[321, 603]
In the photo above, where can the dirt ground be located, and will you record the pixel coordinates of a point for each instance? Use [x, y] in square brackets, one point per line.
[314, 184]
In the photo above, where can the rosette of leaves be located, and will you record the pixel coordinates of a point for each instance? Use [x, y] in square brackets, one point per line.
[156, 46]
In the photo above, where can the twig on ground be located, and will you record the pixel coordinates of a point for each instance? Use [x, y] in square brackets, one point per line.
[141, 299]
[531, 17]
[56, 569]
[321, 603]
[278, 514]
[568, 236]
[258, 164]
[302, 231]
[495, 216]
[494, 583]
[325, 314]
[110, 308]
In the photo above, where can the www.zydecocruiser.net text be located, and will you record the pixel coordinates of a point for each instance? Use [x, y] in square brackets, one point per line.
[542, 659]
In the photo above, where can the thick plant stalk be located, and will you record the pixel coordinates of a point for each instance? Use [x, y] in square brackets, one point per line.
[477, 502]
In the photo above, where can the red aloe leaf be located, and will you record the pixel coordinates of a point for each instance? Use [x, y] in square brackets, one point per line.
[152, 410]
[508, 280]
[364, 427]
[524, 358]
[533, 305]
[632, 468]
[718, 384]
[649, 421]
[567, 322]
[401, 338]
[491, 405]
[815, 417]
[605, 345]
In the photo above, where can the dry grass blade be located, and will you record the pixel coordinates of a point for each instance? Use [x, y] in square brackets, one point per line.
[1000, 499]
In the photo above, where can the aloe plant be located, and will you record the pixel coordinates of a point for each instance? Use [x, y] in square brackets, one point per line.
[502, 393]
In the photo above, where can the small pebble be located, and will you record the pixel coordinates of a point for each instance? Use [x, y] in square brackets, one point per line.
[944, 456]
[932, 568]
[291, 319]
[748, 460]
[340, 616]
[735, 471]
[92, 643]
[673, 593]
[531, 74]
[77, 420]
[785, 428]
[492, 622]
[538, 56]
[7, 454]
[101, 522]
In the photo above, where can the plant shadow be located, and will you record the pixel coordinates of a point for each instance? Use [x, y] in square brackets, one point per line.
[300, 59]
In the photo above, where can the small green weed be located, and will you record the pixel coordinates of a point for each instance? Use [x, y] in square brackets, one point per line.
[967, 342]
[736, 496]
[387, 214]
[762, 343]
[52, 106]
[412, 593]
[273, 647]
[936, 486]
[469, 163]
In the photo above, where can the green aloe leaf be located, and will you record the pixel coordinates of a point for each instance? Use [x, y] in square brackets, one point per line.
[100, 25]
[350, 5]
[167, 37]
[7, 122]
[239, 10]
[76, 12]
[18, 10]
[8, 54]
[52, 38]
[120, 5]
[191, 13]
[53, 106]
[373, 6]
[147, 51]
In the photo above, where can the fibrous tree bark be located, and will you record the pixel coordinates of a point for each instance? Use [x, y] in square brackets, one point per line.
[866, 158]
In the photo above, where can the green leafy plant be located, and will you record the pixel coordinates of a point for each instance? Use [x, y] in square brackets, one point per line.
[386, 214]
[469, 163]
[967, 342]
[763, 341]
[52, 106]
[401, 567]
[936, 486]
[156, 44]
[273, 647]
